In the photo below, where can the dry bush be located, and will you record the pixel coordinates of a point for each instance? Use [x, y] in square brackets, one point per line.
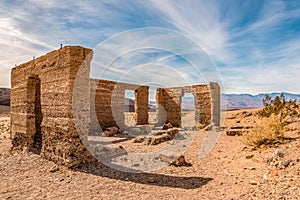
[274, 118]
[200, 126]
[267, 131]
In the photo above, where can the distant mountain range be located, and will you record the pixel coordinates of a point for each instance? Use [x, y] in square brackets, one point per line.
[237, 101]
[228, 101]
[242, 101]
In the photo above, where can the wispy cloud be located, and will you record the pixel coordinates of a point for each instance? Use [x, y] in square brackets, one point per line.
[255, 44]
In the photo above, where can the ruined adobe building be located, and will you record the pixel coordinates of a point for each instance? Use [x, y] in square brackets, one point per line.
[43, 104]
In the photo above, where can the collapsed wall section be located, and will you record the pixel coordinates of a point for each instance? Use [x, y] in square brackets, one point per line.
[48, 81]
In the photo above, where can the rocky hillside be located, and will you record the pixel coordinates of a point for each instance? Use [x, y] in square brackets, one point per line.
[5, 96]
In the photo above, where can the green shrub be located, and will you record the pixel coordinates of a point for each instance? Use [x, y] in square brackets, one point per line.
[279, 106]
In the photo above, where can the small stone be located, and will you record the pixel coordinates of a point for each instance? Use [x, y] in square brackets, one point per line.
[110, 131]
[265, 177]
[278, 154]
[54, 169]
[167, 126]
[252, 168]
[254, 183]
[113, 130]
[107, 134]
[139, 139]
[287, 163]
[249, 156]
[151, 180]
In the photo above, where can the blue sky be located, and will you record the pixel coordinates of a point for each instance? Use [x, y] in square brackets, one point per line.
[254, 44]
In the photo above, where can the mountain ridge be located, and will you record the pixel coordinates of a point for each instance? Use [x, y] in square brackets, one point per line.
[228, 101]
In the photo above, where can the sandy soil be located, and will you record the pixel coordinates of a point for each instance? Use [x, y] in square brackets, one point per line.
[231, 171]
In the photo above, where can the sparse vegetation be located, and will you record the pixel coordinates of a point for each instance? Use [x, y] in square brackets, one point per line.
[200, 126]
[274, 117]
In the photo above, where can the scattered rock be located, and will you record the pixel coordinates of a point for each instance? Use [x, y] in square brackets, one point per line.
[180, 161]
[151, 180]
[158, 138]
[110, 131]
[160, 132]
[172, 160]
[249, 156]
[53, 169]
[287, 163]
[169, 135]
[254, 183]
[167, 126]
[139, 139]
[107, 134]
[278, 154]
[234, 132]
[114, 130]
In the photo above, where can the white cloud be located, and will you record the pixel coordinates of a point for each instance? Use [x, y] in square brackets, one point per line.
[255, 43]
[201, 20]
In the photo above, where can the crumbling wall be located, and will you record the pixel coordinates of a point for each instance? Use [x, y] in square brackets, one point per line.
[108, 107]
[49, 80]
[141, 105]
[203, 105]
[206, 100]
[169, 101]
[52, 110]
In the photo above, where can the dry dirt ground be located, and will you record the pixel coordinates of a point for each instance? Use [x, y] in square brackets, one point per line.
[231, 171]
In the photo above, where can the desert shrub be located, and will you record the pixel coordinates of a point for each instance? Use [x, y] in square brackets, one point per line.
[200, 126]
[274, 117]
[267, 131]
[279, 106]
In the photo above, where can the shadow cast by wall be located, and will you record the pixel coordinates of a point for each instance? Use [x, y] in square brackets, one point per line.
[100, 169]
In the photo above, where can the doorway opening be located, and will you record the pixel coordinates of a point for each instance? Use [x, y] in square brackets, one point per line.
[34, 94]
[129, 108]
[187, 110]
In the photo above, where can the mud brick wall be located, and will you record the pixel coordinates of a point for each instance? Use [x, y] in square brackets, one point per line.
[169, 100]
[203, 107]
[206, 100]
[141, 105]
[101, 108]
[215, 103]
[161, 114]
[108, 106]
[41, 98]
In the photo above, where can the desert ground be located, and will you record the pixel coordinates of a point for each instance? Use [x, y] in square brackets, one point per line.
[232, 170]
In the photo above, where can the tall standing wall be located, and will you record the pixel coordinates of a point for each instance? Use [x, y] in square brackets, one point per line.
[49, 80]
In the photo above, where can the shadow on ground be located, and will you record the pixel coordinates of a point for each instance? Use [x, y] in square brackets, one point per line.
[100, 169]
